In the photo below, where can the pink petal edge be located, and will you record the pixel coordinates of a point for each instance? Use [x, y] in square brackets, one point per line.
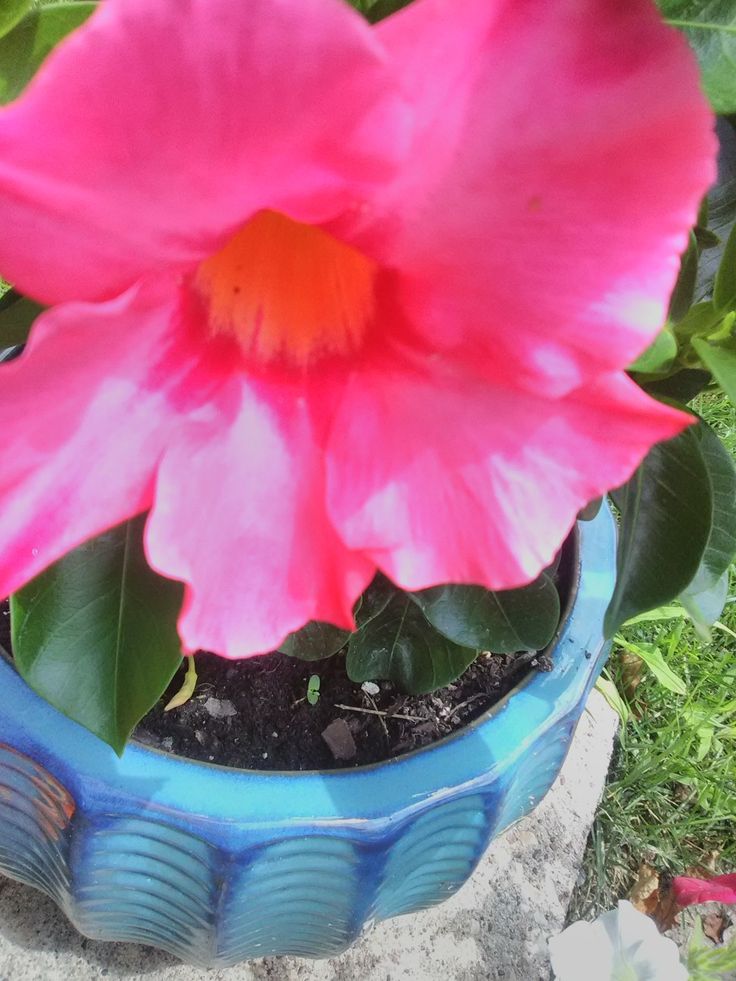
[239, 516]
[446, 478]
[83, 428]
[537, 211]
[157, 129]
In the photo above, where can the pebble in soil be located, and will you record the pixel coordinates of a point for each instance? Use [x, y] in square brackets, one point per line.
[255, 714]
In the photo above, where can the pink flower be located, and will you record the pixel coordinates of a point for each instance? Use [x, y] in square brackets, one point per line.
[690, 892]
[329, 298]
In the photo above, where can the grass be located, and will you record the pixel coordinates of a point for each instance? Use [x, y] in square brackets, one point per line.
[671, 796]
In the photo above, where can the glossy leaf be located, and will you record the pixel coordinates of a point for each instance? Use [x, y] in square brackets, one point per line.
[721, 362]
[17, 315]
[24, 48]
[95, 634]
[658, 615]
[666, 510]
[684, 291]
[683, 386]
[610, 692]
[705, 606]
[705, 596]
[705, 238]
[721, 208]
[11, 12]
[314, 641]
[724, 285]
[659, 356]
[651, 655]
[399, 645]
[187, 688]
[512, 620]
[710, 26]
[375, 599]
[700, 320]
[384, 8]
[721, 547]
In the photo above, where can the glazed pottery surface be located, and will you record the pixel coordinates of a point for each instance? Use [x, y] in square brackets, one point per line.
[218, 865]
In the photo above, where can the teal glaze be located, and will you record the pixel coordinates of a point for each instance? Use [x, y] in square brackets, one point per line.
[218, 865]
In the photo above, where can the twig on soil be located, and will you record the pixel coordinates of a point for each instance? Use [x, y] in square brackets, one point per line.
[389, 715]
[382, 721]
[468, 701]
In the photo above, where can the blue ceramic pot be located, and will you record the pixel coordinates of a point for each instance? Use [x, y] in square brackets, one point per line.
[219, 865]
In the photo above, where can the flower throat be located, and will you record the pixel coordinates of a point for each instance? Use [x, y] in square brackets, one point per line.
[288, 292]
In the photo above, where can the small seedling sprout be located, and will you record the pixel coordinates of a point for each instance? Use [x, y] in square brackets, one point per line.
[313, 689]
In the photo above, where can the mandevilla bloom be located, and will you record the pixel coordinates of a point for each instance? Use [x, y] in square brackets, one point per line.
[329, 298]
[621, 945]
[687, 891]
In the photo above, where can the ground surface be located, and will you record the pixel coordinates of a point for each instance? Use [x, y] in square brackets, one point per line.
[671, 800]
[494, 929]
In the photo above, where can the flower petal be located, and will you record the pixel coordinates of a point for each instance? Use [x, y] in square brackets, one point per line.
[563, 148]
[620, 943]
[83, 422]
[239, 516]
[689, 891]
[158, 128]
[451, 479]
[582, 951]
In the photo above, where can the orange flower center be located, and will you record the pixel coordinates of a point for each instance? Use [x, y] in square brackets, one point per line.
[288, 291]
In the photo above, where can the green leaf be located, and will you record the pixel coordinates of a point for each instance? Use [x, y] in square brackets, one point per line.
[721, 362]
[705, 238]
[721, 207]
[17, 315]
[606, 687]
[23, 50]
[651, 655]
[705, 595]
[504, 622]
[375, 599]
[11, 12]
[186, 691]
[699, 321]
[681, 387]
[400, 645]
[684, 291]
[95, 634]
[666, 510]
[314, 641]
[721, 547]
[706, 605]
[659, 356]
[658, 615]
[384, 8]
[724, 285]
[710, 26]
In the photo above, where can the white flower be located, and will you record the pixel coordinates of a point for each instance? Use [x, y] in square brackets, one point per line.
[621, 945]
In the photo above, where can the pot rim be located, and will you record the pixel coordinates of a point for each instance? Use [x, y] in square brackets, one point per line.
[494, 740]
[574, 559]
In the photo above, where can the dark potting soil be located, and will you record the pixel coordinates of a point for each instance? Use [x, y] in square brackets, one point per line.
[255, 713]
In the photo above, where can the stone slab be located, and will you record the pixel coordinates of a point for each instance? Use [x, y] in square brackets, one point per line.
[494, 929]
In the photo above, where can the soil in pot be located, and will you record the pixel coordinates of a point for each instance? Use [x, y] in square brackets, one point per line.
[255, 713]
